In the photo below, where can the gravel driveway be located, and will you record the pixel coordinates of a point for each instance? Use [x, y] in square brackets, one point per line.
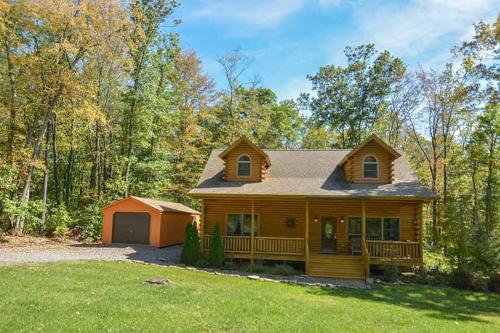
[52, 251]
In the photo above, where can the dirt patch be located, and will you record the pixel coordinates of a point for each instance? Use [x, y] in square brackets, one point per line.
[30, 242]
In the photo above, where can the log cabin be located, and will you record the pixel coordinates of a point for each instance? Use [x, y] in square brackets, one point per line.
[337, 210]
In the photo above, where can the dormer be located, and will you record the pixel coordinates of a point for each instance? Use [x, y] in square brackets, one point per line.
[372, 162]
[244, 161]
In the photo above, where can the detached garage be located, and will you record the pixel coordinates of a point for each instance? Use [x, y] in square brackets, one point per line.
[136, 220]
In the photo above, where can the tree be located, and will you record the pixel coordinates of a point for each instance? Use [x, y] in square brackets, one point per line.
[234, 65]
[350, 99]
[480, 59]
[146, 17]
[216, 251]
[65, 34]
[188, 137]
[191, 247]
[403, 101]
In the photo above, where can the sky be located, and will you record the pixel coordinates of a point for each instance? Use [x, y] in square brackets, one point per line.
[288, 39]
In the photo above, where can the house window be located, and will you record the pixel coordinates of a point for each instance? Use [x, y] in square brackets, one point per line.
[244, 166]
[241, 224]
[377, 228]
[373, 228]
[391, 228]
[354, 228]
[370, 167]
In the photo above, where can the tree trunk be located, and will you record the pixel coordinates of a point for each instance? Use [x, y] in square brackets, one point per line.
[475, 206]
[19, 222]
[12, 103]
[69, 170]
[490, 179]
[94, 173]
[55, 158]
[43, 216]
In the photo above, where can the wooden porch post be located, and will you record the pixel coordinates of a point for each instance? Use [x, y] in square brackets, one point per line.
[252, 237]
[306, 237]
[363, 227]
[202, 226]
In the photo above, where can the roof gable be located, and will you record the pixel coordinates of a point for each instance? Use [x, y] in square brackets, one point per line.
[369, 139]
[241, 140]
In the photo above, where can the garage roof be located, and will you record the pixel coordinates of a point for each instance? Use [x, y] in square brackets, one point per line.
[162, 206]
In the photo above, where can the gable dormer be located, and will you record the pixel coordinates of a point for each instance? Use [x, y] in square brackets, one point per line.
[244, 161]
[372, 162]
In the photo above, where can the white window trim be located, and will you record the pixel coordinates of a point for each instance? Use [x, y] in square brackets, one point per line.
[238, 166]
[378, 167]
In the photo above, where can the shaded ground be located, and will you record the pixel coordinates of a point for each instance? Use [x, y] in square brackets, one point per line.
[108, 296]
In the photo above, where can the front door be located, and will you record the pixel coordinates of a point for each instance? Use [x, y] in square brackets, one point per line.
[328, 234]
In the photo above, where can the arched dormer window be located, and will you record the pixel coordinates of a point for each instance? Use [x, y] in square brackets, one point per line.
[370, 167]
[244, 163]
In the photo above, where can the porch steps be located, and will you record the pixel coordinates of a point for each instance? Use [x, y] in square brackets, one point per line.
[336, 266]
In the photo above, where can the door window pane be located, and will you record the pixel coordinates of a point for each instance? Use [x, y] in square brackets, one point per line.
[328, 229]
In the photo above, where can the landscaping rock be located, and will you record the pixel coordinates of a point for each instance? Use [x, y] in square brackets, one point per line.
[253, 277]
[159, 281]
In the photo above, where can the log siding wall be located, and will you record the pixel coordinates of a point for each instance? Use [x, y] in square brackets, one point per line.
[353, 167]
[273, 214]
[257, 173]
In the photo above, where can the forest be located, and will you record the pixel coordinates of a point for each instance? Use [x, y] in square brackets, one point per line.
[99, 101]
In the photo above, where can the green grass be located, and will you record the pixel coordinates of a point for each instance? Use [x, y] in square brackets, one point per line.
[112, 296]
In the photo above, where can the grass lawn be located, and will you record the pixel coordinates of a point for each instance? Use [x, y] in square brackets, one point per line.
[112, 296]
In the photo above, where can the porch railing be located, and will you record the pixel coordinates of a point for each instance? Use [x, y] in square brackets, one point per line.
[273, 245]
[233, 244]
[394, 250]
[262, 245]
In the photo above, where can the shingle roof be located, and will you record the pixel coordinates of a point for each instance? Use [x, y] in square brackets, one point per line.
[167, 206]
[308, 173]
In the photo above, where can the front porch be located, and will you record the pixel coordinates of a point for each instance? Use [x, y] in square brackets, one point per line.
[318, 263]
[335, 242]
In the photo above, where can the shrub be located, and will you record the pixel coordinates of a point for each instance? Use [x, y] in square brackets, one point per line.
[191, 248]
[58, 221]
[231, 266]
[494, 282]
[91, 223]
[283, 269]
[28, 211]
[431, 275]
[462, 279]
[259, 268]
[216, 251]
[390, 273]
